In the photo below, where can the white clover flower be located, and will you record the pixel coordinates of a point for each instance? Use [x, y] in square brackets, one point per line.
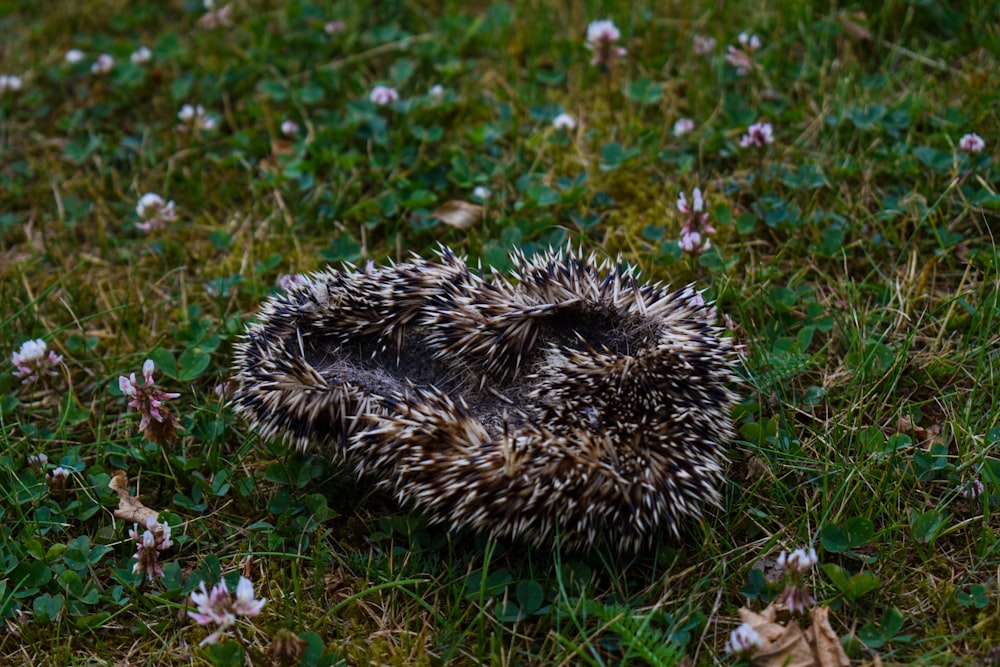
[758, 135]
[795, 566]
[187, 113]
[698, 202]
[601, 42]
[194, 116]
[436, 91]
[703, 45]
[744, 640]
[798, 560]
[10, 83]
[128, 385]
[972, 143]
[34, 359]
[245, 603]
[694, 235]
[973, 489]
[603, 30]
[216, 17]
[154, 213]
[57, 478]
[38, 460]
[334, 27]
[156, 421]
[690, 242]
[219, 608]
[383, 95]
[564, 122]
[104, 64]
[149, 544]
[740, 60]
[683, 126]
[74, 56]
[748, 41]
[148, 203]
[481, 192]
[141, 55]
[741, 57]
[289, 128]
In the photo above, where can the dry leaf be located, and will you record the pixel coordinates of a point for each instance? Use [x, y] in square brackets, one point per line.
[931, 435]
[458, 214]
[129, 507]
[758, 470]
[783, 645]
[791, 649]
[248, 567]
[826, 644]
[280, 147]
[337, 586]
[790, 646]
[763, 623]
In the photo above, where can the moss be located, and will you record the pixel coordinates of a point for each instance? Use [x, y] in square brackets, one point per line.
[639, 202]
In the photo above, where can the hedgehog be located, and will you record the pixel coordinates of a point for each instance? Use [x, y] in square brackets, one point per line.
[562, 403]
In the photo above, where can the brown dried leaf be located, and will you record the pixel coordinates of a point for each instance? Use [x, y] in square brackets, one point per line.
[459, 214]
[790, 649]
[790, 646]
[764, 623]
[826, 644]
[904, 424]
[129, 507]
[337, 586]
[281, 147]
[921, 435]
[784, 646]
[248, 567]
[758, 470]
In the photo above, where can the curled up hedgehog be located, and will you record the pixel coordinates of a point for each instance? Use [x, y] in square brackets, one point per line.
[563, 403]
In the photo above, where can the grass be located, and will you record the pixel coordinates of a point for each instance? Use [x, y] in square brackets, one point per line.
[856, 256]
